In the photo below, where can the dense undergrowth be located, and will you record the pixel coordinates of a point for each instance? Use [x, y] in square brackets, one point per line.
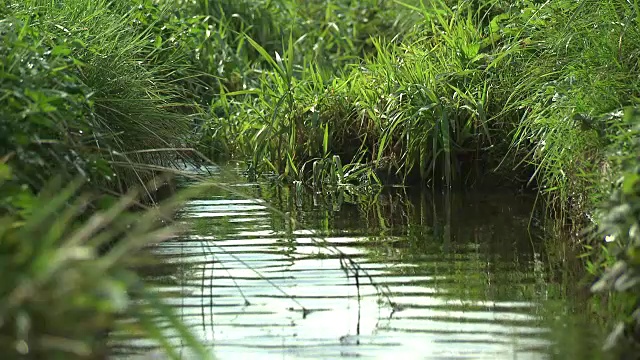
[327, 94]
[85, 98]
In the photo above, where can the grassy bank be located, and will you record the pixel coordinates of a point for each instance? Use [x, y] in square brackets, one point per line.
[540, 95]
[91, 116]
[443, 93]
[536, 94]
[465, 90]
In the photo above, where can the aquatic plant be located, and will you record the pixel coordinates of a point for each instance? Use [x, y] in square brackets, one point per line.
[441, 102]
[293, 89]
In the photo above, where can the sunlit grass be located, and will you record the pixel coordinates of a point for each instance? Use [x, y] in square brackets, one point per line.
[338, 96]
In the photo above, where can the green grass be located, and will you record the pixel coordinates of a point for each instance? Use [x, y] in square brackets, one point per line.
[82, 95]
[522, 90]
[426, 106]
[585, 68]
[67, 276]
[619, 223]
[467, 91]
[339, 95]
[90, 98]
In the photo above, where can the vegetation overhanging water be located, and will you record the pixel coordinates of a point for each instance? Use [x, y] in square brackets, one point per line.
[100, 101]
[265, 272]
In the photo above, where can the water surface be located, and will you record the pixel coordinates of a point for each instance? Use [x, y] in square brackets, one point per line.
[267, 274]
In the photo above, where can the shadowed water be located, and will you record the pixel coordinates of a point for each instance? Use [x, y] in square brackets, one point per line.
[267, 274]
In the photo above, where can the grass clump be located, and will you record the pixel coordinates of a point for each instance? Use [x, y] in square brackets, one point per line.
[526, 92]
[87, 97]
[67, 277]
[620, 223]
[425, 106]
[522, 91]
[583, 72]
[463, 88]
[341, 94]
[81, 96]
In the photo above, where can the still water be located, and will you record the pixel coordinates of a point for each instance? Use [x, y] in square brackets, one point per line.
[269, 273]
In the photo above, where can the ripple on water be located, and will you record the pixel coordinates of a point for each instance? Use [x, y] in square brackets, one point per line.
[458, 289]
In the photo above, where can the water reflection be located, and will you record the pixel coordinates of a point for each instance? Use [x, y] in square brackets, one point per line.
[432, 276]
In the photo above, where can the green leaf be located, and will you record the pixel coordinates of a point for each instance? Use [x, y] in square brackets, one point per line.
[265, 55]
[62, 50]
[5, 172]
[494, 26]
[629, 183]
[325, 140]
[292, 165]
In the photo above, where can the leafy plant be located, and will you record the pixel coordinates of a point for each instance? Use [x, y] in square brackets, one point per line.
[620, 226]
[85, 103]
[65, 274]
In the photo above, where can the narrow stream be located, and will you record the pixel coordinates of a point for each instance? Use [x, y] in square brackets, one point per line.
[419, 276]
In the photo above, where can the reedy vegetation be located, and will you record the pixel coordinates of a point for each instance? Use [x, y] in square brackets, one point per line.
[81, 93]
[327, 93]
[68, 277]
[529, 91]
[620, 224]
[85, 93]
